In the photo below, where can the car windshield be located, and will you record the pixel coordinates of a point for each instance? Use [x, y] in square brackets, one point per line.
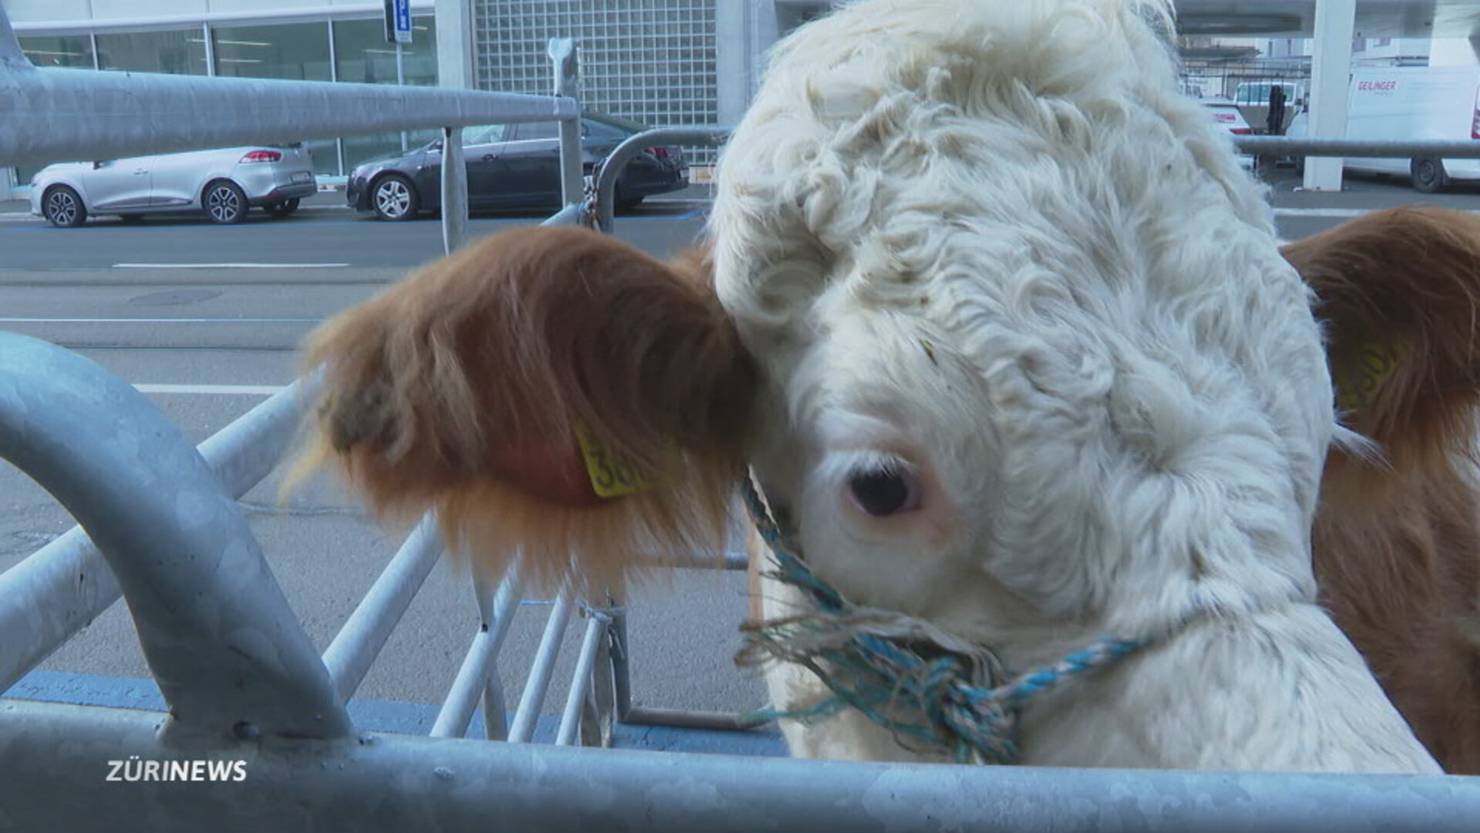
[484, 134]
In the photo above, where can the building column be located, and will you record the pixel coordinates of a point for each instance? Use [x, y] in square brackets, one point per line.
[456, 59]
[1330, 78]
[731, 61]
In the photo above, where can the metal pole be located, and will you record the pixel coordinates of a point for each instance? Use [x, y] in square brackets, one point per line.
[522, 729]
[580, 683]
[611, 167]
[1315, 148]
[11, 56]
[365, 632]
[454, 191]
[123, 111]
[66, 584]
[1330, 74]
[567, 85]
[472, 677]
[225, 647]
[52, 752]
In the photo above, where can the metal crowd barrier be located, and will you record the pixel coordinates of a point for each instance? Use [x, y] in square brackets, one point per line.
[159, 524]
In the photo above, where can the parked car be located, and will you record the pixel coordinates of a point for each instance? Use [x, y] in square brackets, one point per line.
[223, 183]
[511, 166]
[1228, 116]
[1410, 103]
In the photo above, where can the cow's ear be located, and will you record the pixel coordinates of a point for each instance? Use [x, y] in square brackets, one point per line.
[1399, 295]
[551, 391]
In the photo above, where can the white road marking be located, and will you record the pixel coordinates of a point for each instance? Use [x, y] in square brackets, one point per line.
[212, 390]
[1333, 212]
[160, 320]
[229, 265]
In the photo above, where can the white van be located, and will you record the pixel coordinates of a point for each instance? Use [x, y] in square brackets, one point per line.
[1412, 103]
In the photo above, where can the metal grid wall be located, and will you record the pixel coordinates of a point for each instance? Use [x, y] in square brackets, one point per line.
[648, 60]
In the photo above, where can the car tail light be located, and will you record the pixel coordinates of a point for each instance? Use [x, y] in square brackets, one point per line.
[262, 156]
[1241, 131]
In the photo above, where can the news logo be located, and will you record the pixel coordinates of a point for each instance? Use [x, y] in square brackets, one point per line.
[134, 770]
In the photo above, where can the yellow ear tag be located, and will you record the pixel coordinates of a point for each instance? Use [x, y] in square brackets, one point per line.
[612, 475]
[1365, 374]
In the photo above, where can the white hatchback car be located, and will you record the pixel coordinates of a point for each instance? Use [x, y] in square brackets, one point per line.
[224, 183]
[1227, 115]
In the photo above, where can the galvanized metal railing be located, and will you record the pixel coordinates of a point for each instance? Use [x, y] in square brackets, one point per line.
[232, 663]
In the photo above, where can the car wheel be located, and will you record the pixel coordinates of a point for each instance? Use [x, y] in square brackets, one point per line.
[63, 208]
[284, 208]
[225, 202]
[394, 198]
[1429, 176]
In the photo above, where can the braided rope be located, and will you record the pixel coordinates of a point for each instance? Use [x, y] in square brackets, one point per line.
[934, 691]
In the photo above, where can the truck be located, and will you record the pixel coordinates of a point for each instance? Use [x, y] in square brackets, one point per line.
[1411, 103]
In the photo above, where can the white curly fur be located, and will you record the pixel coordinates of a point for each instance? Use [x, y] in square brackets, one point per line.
[992, 240]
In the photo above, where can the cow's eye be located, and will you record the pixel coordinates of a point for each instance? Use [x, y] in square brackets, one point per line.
[884, 491]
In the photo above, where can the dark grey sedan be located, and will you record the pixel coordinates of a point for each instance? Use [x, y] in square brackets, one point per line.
[511, 167]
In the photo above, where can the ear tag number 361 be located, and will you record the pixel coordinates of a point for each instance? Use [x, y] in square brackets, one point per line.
[612, 475]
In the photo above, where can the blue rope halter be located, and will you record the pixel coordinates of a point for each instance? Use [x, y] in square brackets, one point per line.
[933, 691]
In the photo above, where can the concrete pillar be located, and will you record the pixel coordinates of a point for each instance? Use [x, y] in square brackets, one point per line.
[1330, 78]
[7, 182]
[455, 56]
[731, 60]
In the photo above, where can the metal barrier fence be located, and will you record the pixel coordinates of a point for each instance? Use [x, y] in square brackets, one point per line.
[243, 684]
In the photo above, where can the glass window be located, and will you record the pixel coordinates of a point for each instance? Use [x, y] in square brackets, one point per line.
[296, 51]
[177, 53]
[67, 51]
[419, 58]
[361, 54]
[537, 130]
[485, 134]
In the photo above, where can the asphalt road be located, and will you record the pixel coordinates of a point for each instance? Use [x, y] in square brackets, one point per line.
[182, 307]
[173, 325]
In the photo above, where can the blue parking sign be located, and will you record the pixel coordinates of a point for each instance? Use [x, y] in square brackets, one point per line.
[398, 21]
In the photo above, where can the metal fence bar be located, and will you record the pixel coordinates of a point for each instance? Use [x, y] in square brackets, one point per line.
[454, 191]
[570, 720]
[49, 115]
[365, 632]
[522, 728]
[66, 584]
[569, 215]
[404, 782]
[495, 715]
[495, 712]
[463, 697]
[562, 52]
[1405, 148]
[224, 645]
[611, 167]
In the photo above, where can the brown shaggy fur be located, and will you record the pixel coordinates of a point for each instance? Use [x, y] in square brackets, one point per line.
[460, 389]
[1397, 540]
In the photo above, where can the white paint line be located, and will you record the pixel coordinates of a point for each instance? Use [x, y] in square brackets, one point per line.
[229, 265]
[160, 320]
[1332, 212]
[212, 390]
